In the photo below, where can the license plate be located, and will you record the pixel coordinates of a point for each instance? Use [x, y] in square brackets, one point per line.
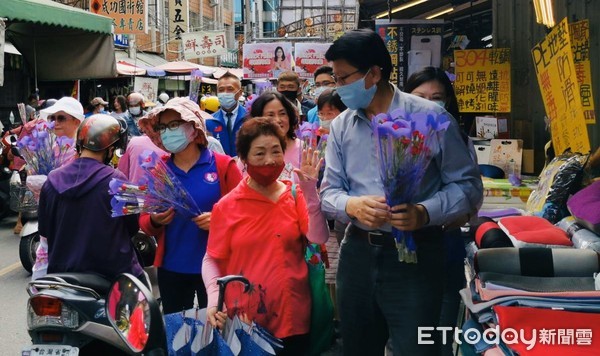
[50, 350]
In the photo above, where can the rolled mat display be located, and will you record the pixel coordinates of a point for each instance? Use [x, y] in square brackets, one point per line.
[490, 235]
[538, 262]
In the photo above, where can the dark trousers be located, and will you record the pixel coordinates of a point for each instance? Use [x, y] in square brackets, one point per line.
[381, 298]
[177, 290]
[296, 345]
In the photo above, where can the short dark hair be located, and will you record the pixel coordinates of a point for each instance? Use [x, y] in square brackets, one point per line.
[258, 106]
[362, 49]
[251, 129]
[323, 70]
[429, 74]
[330, 97]
[228, 74]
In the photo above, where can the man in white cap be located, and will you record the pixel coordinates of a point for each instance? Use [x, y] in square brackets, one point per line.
[136, 102]
[67, 114]
[162, 99]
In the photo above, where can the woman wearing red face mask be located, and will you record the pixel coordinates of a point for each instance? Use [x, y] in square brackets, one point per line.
[258, 231]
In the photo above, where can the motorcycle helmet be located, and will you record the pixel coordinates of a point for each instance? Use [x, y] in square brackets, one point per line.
[101, 131]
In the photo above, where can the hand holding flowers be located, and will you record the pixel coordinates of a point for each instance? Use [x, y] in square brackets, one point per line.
[406, 144]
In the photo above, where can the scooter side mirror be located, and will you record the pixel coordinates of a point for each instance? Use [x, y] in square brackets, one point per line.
[135, 316]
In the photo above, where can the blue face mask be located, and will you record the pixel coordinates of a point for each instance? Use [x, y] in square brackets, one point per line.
[176, 140]
[440, 103]
[226, 100]
[355, 96]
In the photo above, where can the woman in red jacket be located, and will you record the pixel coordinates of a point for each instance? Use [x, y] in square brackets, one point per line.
[179, 128]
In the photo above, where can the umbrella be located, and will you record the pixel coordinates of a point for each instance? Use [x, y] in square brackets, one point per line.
[188, 333]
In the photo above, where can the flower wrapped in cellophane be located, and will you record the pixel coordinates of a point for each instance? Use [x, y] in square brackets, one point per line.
[307, 133]
[406, 143]
[43, 150]
[157, 190]
[322, 145]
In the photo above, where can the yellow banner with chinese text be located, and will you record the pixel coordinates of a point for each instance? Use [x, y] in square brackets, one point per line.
[483, 80]
[580, 44]
[557, 78]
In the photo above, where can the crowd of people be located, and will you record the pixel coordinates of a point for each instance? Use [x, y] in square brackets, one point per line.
[264, 196]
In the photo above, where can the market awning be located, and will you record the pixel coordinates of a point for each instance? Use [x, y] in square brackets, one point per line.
[143, 61]
[238, 72]
[60, 42]
[48, 12]
[125, 68]
[186, 67]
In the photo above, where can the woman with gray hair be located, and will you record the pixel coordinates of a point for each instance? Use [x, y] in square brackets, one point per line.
[178, 127]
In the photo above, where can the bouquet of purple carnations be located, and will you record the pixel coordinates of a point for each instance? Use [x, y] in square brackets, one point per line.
[307, 133]
[406, 143]
[43, 150]
[158, 190]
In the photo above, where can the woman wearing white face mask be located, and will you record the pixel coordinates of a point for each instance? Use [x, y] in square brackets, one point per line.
[179, 128]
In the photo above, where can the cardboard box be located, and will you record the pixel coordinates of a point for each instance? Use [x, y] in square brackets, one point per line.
[508, 155]
[491, 127]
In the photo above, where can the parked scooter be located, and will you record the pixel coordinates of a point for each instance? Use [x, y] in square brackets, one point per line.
[66, 312]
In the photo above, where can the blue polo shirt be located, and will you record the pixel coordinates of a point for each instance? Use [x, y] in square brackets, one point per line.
[185, 243]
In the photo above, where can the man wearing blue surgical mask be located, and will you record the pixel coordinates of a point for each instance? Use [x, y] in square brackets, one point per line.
[229, 118]
[323, 80]
[378, 296]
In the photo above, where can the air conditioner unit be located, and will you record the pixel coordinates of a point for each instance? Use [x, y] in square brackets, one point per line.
[213, 3]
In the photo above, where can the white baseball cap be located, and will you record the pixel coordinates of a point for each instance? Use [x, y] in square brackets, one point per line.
[67, 104]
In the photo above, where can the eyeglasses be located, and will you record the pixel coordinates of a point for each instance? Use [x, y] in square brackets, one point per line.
[173, 125]
[342, 80]
[324, 84]
[59, 118]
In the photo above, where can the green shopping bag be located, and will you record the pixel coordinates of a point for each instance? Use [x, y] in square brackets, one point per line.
[321, 313]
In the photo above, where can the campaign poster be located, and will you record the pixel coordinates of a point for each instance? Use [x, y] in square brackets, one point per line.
[309, 57]
[266, 60]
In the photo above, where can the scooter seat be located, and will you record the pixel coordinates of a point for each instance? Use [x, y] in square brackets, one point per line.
[89, 280]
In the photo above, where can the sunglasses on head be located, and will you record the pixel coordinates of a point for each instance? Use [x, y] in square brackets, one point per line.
[59, 118]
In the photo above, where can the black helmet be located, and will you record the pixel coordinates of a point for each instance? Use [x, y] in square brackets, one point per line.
[101, 131]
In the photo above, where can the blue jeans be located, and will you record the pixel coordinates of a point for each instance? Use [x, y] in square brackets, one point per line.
[380, 297]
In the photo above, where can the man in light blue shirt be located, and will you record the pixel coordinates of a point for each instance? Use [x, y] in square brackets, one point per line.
[378, 296]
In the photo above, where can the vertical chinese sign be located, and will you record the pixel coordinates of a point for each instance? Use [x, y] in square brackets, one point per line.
[147, 87]
[482, 80]
[309, 57]
[580, 44]
[557, 79]
[203, 44]
[129, 16]
[412, 44]
[178, 17]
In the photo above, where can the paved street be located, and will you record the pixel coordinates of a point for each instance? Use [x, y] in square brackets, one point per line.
[13, 297]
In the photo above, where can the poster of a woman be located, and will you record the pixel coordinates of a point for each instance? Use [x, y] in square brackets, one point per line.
[281, 62]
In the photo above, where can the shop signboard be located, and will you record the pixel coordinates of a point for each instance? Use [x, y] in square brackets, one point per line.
[266, 60]
[128, 17]
[121, 41]
[309, 57]
[147, 87]
[580, 44]
[557, 78]
[482, 80]
[178, 17]
[412, 44]
[203, 44]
